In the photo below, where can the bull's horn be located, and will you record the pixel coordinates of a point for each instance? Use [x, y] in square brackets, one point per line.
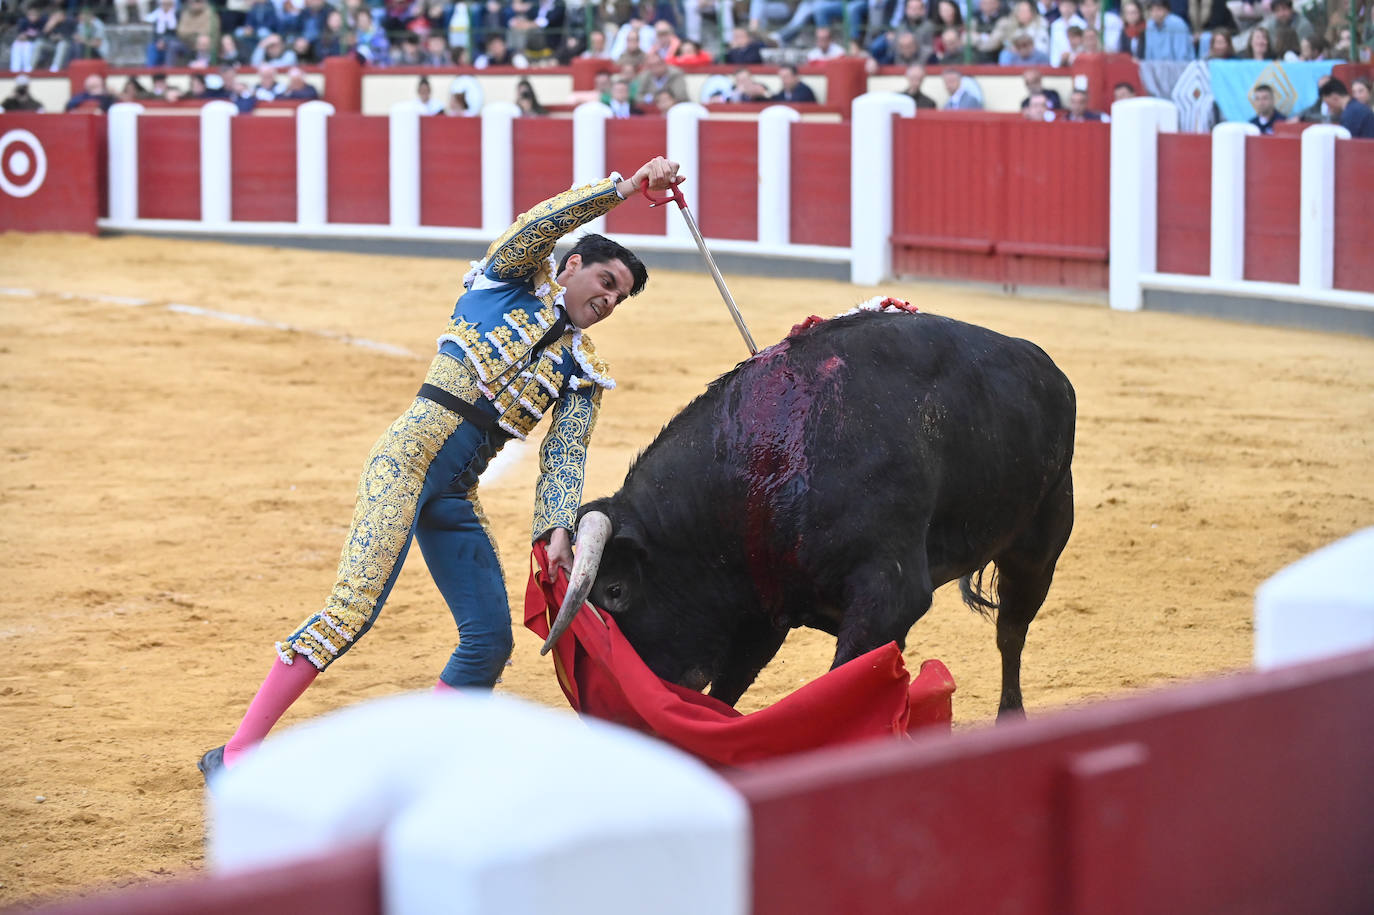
[592, 533]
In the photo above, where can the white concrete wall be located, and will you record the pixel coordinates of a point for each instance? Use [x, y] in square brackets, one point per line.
[1321, 605]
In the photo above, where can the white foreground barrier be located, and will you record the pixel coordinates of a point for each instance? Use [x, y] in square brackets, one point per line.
[1319, 606]
[488, 804]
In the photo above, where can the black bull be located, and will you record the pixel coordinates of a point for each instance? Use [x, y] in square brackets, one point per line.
[835, 481]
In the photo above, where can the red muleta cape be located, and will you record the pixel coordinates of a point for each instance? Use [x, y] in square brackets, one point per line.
[602, 676]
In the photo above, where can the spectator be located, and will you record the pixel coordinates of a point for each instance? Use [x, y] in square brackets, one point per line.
[288, 19]
[1105, 23]
[1033, 80]
[398, 14]
[21, 99]
[1074, 34]
[228, 50]
[1078, 108]
[1360, 90]
[665, 41]
[983, 34]
[744, 48]
[197, 90]
[1258, 45]
[1024, 19]
[621, 106]
[425, 96]
[1037, 109]
[333, 41]
[408, 53]
[198, 19]
[913, 19]
[94, 91]
[88, 39]
[243, 95]
[436, 52]
[164, 49]
[961, 95]
[747, 89]
[1207, 16]
[658, 75]
[297, 89]
[497, 54]
[1132, 30]
[793, 89]
[915, 75]
[1167, 35]
[272, 51]
[260, 22]
[1220, 46]
[269, 88]
[314, 20]
[1022, 52]
[1066, 17]
[643, 35]
[763, 13]
[527, 101]
[1313, 48]
[633, 55]
[1351, 113]
[596, 45]
[159, 85]
[1318, 112]
[1266, 116]
[951, 47]
[663, 101]
[370, 41]
[1123, 91]
[1287, 45]
[202, 54]
[1092, 42]
[827, 48]
[1283, 16]
[948, 16]
[690, 54]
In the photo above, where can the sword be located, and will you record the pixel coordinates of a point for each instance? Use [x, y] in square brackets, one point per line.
[675, 196]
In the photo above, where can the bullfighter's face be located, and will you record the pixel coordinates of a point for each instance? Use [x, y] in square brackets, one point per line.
[593, 290]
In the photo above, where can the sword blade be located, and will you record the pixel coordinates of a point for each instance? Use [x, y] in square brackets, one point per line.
[720, 281]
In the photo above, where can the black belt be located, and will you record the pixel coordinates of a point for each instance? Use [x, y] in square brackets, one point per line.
[469, 412]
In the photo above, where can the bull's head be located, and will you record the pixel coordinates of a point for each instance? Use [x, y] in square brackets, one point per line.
[611, 569]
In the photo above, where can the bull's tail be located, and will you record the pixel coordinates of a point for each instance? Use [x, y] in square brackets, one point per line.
[975, 595]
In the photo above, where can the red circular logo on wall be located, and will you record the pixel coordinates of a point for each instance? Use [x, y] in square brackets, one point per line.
[23, 163]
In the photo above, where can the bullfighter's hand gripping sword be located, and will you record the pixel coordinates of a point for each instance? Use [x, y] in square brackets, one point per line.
[674, 195]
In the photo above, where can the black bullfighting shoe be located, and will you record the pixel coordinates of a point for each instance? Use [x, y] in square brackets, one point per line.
[211, 764]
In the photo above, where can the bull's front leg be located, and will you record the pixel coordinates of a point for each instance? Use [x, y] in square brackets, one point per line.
[755, 644]
[883, 599]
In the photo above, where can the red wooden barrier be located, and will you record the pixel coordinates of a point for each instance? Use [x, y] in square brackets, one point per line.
[630, 142]
[999, 199]
[729, 190]
[169, 168]
[1354, 261]
[1273, 193]
[1185, 204]
[451, 172]
[52, 168]
[1245, 794]
[359, 163]
[820, 184]
[263, 160]
[543, 159]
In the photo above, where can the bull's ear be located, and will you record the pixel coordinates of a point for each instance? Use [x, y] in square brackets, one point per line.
[629, 541]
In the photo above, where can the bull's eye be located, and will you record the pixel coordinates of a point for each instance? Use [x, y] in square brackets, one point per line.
[613, 592]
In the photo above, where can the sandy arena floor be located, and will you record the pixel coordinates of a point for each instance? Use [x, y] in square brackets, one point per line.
[177, 487]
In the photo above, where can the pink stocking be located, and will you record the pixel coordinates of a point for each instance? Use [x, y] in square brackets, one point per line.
[444, 689]
[284, 685]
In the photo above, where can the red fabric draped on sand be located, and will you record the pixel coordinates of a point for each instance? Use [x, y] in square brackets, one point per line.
[602, 676]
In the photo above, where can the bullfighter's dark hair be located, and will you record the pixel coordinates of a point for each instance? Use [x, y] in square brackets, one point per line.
[598, 249]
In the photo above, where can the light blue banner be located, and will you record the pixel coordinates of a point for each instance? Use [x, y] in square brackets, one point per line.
[1294, 84]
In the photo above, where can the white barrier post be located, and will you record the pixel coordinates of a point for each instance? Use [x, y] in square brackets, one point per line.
[472, 819]
[123, 141]
[775, 174]
[312, 163]
[1228, 200]
[403, 160]
[684, 148]
[1319, 606]
[216, 161]
[1134, 222]
[870, 184]
[1317, 222]
[498, 166]
[589, 150]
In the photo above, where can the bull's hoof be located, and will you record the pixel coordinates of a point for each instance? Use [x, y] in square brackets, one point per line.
[211, 764]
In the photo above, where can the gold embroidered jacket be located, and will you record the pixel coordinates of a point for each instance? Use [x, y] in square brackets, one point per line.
[512, 297]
